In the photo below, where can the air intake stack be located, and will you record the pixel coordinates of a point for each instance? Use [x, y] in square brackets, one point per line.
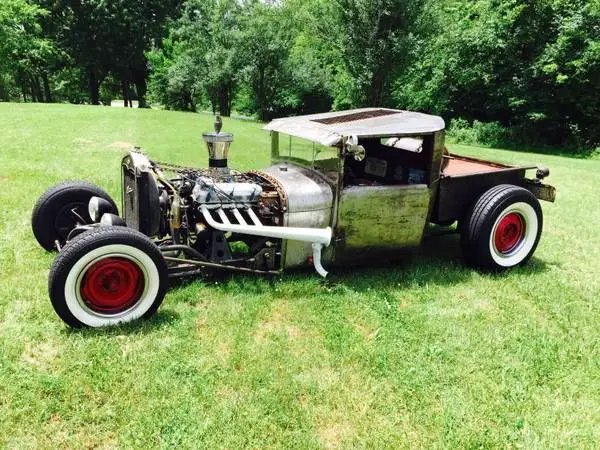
[217, 144]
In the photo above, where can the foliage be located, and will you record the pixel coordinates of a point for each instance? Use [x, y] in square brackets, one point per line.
[110, 37]
[198, 62]
[375, 38]
[25, 53]
[532, 67]
[491, 134]
[173, 82]
[265, 40]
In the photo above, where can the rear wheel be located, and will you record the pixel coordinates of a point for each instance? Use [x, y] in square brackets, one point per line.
[107, 276]
[502, 229]
[61, 208]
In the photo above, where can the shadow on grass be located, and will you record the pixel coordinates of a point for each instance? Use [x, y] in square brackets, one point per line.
[163, 318]
[438, 261]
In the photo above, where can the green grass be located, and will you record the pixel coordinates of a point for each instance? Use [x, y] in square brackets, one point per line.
[427, 354]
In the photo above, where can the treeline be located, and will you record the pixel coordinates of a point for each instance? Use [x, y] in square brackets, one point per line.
[79, 51]
[497, 70]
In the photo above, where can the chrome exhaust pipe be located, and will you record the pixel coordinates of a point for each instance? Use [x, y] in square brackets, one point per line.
[319, 237]
[316, 235]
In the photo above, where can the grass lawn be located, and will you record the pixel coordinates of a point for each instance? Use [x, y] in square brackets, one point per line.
[428, 353]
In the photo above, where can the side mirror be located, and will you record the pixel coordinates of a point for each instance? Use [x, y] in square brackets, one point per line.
[352, 148]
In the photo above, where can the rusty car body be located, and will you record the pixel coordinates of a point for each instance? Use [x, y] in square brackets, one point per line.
[344, 188]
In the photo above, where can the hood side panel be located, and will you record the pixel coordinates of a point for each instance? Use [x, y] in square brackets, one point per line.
[309, 203]
[305, 189]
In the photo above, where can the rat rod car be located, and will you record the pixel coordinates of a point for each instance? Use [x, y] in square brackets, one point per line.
[344, 188]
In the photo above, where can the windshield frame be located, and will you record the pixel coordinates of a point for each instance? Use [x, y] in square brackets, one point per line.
[279, 140]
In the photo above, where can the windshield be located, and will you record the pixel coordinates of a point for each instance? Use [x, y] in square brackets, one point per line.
[285, 147]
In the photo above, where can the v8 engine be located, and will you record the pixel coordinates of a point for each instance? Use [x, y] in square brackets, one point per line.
[190, 199]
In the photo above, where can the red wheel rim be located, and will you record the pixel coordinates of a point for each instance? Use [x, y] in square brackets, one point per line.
[509, 232]
[112, 285]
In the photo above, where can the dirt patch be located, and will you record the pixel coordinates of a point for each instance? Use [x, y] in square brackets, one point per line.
[366, 332]
[41, 355]
[323, 377]
[121, 145]
[283, 324]
[484, 306]
[130, 346]
[226, 392]
[3, 178]
[277, 323]
[223, 354]
[82, 141]
[293, 332]
[365, 326]
[333, 435]
[302, 400]
[201, 324]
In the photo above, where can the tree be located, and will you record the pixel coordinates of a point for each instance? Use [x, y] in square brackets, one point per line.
[112, 36]
[200, 54]
[24, 51]
[265, 39]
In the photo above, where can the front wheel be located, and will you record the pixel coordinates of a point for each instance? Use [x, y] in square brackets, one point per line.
[502, 229]
[107, 276]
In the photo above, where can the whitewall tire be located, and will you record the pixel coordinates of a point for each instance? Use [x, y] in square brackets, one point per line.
[107, 276]
[502, 229]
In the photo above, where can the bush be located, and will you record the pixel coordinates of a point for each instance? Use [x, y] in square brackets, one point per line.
[491, 133]
[482, 133]
[461, 131]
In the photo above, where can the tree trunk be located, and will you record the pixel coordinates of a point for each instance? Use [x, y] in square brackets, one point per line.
[224, 102]
[94, 87]
[188, 102]
[36, 92]
[125, 90]
[141, 88]
[260, 95]
[20, 80]
[47, 91]
[31, 90]
[377, 86]
[138, 75]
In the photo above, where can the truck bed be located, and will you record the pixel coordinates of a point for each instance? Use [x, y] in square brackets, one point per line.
[464, 179]
[459, 166]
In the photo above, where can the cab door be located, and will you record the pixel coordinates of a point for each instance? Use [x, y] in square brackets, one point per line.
[375, 222]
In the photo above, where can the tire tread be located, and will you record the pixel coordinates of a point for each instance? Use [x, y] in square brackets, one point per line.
[40, 217]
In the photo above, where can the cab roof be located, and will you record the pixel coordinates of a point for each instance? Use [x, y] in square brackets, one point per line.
[330, 128]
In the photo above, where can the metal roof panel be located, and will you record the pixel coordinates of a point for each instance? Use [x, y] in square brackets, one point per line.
[330, 128]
